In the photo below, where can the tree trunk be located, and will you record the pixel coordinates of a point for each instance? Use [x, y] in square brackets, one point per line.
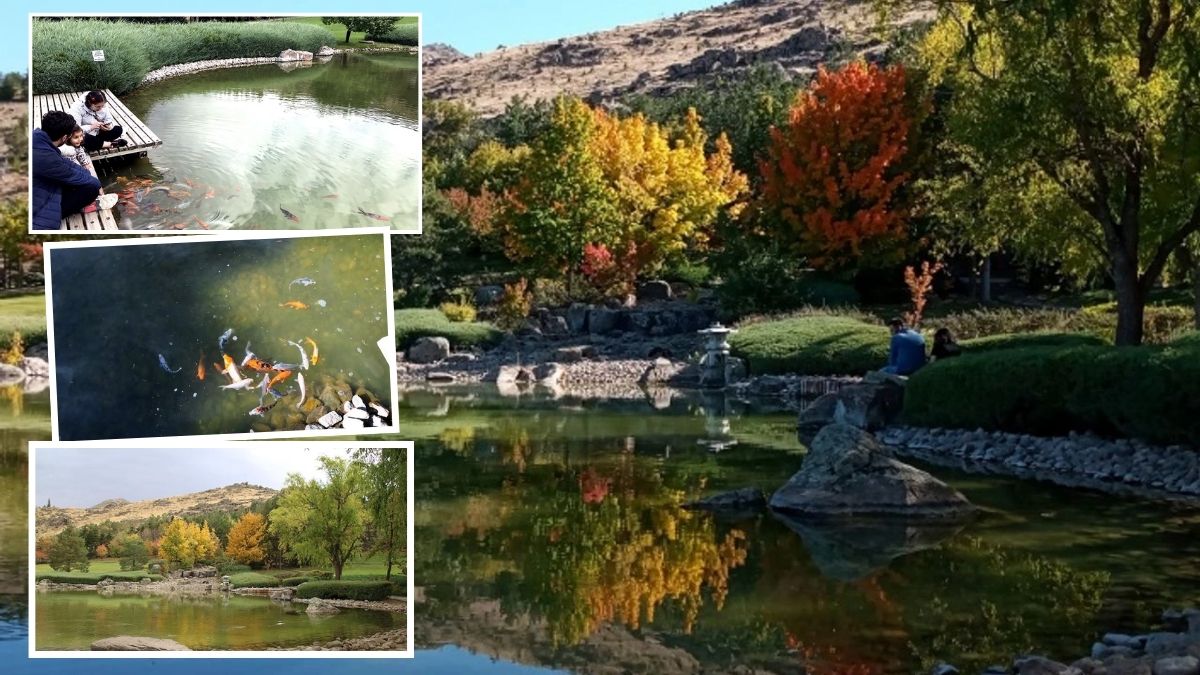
[1131, 305]
[985, 289]
[337, 569]
[347, 36]
[388, 575]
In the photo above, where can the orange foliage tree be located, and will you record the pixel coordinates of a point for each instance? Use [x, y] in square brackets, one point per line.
[831, 180]
[245, 539]
[101, 551]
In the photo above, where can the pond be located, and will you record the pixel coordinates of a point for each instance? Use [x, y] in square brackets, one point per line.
[549, 533]
[72, 620]
[138, 332]
[334, 144]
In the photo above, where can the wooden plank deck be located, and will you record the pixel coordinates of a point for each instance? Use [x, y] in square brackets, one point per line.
[140, 137]
[95, 221]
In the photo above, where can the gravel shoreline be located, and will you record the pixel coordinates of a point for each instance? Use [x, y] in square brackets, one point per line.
[159, 74]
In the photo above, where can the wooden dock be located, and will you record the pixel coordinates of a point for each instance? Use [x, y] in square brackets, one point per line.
[140, 137]
[100, 219]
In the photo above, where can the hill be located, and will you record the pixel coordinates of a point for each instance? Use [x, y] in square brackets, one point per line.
[236, 497]
[660, 56]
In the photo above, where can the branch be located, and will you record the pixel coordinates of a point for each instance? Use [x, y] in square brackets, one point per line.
[1167, 247]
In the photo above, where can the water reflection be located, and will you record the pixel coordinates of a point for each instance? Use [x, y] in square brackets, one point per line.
[24, 417]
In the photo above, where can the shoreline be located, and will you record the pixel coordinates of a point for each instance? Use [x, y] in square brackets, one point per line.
[179, 69]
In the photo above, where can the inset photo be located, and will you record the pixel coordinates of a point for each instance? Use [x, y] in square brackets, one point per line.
[241, 549]
[145, 124]
[284, 335]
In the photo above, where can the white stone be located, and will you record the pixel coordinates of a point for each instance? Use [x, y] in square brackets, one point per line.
[330, 419]
[352, 423]
[355, 413]
[358, 402]
[379, 410]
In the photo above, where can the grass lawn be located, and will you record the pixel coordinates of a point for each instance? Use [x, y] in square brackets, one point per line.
[338, 31]
[417, 323]
[24, 313]
[97, 569]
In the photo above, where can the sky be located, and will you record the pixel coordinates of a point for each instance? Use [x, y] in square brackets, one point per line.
[84, 477]
[469, 25]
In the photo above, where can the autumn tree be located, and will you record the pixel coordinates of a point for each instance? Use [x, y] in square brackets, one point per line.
[833, 174]
[131, 551]
[246, 539]
[1079, 118]
[185, 544]
[323, 521]
[69, 551]
[387, 500]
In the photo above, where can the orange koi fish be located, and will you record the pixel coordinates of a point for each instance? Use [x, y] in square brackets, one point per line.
[279, 378]
[210, 194]
[200, 369]
[294, 304]
[373, 216]
[201, 223]
[257, 365]
[313, 360]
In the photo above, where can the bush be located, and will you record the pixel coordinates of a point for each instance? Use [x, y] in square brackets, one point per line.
[1162, 322]
[461, 311]
[93, 578]
[345, 590]
[412, 324]
[133, 49]
[1147, 392]
[295, 581]
[24, 315]
[232, 567]
[694, 274]
[253, 580]
[812, 345]
[994, 342]
[759, 278]
[514, 305]
[401, 34]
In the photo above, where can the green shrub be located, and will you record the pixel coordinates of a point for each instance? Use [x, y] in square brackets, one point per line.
[1146, 392]
[253, 580]
[693, 274]
[763, 282]
[460, 311]
[295, 581]
[401, 34]
[24, 315]
[93, 578]
[1160, 325]
[994, 342]
[345, 590]
[62, 62]
[984, 321]
[321, 575]
[412, 324]
[232, 568]
[812, 345]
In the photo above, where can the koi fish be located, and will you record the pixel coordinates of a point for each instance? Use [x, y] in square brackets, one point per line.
[262, 409]
[374, 216]
[303, 391]
[262, 388]
[199, 222]
[224, 338]
[238, 382]
[303, 281]
[162, 361]
[289, 215]
[330, 196]
[310, 341]
[280, 367]
[280, 378]
[259, 365]
[190, 183]
[200, 372]
[244, 383]
[303, 356]
[294, 304]
[210, 194]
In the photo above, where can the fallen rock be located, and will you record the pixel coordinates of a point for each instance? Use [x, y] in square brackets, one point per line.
[439, 377]
[326, 50]
[129, 643]
[330, 419]
[319, 606]
[846, 471]
[744, 499]
[549, 374]
[35, 367]
[866, 405]
[10, 374]
[429, 350]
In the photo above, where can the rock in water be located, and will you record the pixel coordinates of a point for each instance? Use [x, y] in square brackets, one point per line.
[319, 606]
[750, 498]
[869, 405]
[10, 374]
[429, 350]
[847, 472]
[129, 643]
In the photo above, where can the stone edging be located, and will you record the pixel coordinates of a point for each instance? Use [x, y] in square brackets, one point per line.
[166, 72]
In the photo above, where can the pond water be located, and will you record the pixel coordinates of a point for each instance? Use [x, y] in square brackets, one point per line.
[327, 142]
[126, 318]
[549, 533]
[73, 620]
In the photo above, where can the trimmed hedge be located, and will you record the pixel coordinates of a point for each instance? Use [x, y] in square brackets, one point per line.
[253, 580]
[345, 590]
[61, 62]
[994, 342]
[812, 345]
[295, 581]
[1148, 392]
[401, 34]
[93, 579]
[232, 568]
[412, 324]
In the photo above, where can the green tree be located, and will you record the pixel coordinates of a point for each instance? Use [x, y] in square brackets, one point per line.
[97, 534]
[371, 25]
[387, 500]
[69, 551]
[323, 521]
[1081, 118]
[132, 552]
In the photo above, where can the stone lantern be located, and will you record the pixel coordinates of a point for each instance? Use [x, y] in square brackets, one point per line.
[714, 366]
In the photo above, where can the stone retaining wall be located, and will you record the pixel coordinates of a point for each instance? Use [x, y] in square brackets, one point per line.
[178, 69]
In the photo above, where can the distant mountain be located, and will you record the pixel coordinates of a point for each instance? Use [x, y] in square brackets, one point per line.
[236, 497]
[660, 56]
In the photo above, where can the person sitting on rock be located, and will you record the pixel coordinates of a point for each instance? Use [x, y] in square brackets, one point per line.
[944, 345]
[907, 353]
[101, 131]
[60, 187]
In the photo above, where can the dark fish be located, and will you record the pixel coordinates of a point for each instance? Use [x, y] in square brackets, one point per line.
[289, 215]
[224, 338]
[162, 361]
[374, 216]
[303, 281]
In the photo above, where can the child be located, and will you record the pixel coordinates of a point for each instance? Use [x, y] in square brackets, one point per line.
[101, 131]
[74, 151]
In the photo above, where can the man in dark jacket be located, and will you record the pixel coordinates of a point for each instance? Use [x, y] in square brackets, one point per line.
[60, 187]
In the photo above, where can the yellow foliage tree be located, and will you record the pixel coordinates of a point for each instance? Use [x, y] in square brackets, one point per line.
[184, 544]
[245, 539]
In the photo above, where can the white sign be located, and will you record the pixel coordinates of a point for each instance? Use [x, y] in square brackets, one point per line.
[97, 54]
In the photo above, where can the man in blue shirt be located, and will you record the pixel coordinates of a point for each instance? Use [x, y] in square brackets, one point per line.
[907, 352]
[60, 187]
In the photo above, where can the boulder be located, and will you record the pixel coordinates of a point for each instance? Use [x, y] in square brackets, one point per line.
[488, 296]
[744, 499]
[429, 350]
[129, 643]
[577, 318]
[1039, 665]
[574, 354]
[654, 291]
[289, 55]
[304, 56]
[206, 571]
[35, 367]
[1177, 665]
[10, 374]
[326, 50]
[866, 405]
[555, 324]
[602, 321]
[847, 472]
[330, 419]
[319, 606]
[439, 377]
[508, 375]
[549, 374]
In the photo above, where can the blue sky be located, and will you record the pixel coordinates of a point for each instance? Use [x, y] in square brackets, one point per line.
[470, 25]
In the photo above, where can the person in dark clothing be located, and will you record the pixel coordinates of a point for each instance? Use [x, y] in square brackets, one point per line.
[100, 130]
[944, 346]
[907, 353]
[60, 187]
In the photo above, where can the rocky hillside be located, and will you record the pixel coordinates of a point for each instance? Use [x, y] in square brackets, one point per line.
[12, 183]
[660, 56]
[51, 520]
